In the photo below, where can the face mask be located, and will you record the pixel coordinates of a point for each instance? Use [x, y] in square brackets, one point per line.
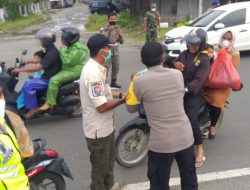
[225, 44]
[153, 9]
[112, 23]
[2, 109]
[107, 59]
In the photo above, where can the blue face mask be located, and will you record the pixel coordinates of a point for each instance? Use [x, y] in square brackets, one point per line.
[107, 59]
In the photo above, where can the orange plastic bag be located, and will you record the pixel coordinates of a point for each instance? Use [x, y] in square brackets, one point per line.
[223, 73]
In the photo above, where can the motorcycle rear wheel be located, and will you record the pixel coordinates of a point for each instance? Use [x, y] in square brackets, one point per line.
[131, 147]
[47, 181]
[77, 111]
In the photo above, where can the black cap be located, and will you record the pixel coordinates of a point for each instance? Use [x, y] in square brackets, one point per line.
[98, 41]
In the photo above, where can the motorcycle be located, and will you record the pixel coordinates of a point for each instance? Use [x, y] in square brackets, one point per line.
[45, 169]
[68, 100]
[132, 140]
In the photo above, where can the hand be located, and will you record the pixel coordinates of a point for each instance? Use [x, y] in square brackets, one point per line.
[111, 28]
[179, 65]
[120, 33]
[16, 71]
[124, 97]
[63, 45]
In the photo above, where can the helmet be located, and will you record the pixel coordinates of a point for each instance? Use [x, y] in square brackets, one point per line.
[46, 36]
[70, 35]
[192, 38]
[202, 34]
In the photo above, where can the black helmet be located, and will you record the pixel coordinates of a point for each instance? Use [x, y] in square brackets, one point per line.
[202, 34]
[46, 36]
[192, 38]
[70, 35]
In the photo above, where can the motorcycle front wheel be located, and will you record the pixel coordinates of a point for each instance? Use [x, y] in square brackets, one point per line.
[47, 181]
[131, 147]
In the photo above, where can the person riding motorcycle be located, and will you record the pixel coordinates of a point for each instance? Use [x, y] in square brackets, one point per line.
[51, 63]
[194, 65]
[74, 55]
[12, 172]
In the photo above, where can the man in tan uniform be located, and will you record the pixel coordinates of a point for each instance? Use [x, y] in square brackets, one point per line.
[161, 92]
[115, 35]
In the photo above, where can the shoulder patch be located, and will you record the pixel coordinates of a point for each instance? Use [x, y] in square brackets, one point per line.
[97, 89]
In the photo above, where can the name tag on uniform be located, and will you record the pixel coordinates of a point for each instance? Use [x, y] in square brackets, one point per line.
[97, 89]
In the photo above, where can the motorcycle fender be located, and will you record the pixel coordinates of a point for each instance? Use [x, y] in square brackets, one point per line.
[69, 100]
[136, 122]
[60, 167]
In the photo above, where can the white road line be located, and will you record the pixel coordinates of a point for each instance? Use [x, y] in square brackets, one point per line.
[201, 178]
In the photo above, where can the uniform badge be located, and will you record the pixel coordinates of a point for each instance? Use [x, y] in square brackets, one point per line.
[97, 89]
[197, 62]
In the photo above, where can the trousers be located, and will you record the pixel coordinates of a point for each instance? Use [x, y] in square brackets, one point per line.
[192, 104]
[114, 64]
[159, 166]
[102, 158]
[30, 89]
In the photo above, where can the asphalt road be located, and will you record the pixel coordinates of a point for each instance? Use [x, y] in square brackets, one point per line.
[230, 149]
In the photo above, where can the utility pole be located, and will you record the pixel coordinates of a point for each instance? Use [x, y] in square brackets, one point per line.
[200, 7]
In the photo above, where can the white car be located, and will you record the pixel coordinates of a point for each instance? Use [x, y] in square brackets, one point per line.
[234, 17]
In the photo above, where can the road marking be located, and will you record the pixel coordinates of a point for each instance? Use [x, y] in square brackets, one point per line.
[201, 178]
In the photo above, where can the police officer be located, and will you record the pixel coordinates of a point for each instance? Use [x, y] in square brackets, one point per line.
[98, 103]
[12, 172]
[151, 23]
[171, 134]
[115, 35]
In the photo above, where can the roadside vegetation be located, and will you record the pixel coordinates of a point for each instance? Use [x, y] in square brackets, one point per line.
[132, 27]
[11, 26]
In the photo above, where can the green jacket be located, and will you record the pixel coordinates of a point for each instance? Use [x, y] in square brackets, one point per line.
[74, 57]
[12, 173]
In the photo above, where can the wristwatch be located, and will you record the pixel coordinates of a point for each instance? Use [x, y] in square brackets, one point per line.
[120, 96]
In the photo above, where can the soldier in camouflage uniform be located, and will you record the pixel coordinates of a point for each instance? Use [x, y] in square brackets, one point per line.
[151, 23]
[114, 33]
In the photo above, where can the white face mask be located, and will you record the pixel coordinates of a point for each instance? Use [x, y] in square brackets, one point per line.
[2, 109]
[153, 9]
[225, 44]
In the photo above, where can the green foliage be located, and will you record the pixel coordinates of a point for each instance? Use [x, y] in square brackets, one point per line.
[15, 25]
[125, 20]
[12, 10]
[95, 22]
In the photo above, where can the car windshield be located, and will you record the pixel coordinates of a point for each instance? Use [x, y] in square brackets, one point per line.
[206, 19]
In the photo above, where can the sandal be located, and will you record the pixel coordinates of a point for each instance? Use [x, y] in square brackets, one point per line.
[200, 163]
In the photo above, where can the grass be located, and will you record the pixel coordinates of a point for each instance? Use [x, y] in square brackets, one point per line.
[18, 24]
[132, 27]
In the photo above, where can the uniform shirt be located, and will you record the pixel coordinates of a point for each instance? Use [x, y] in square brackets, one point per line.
[161, 92]
[94, 92]
[113, 37]
[51, 62]
[152, 19]
[195, 71]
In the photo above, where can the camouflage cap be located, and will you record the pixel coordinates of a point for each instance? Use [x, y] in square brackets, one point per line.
[153, 5]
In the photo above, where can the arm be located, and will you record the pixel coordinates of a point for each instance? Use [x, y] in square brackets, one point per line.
[236, 59]
[121, 39]
[28, 69]
[110, 105]
[158, 20]
[145, 22]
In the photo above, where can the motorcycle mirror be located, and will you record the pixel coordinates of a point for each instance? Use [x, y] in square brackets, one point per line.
[24, 52]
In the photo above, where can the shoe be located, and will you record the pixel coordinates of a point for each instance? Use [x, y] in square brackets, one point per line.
[30, 114]
[199, 164]
[115, 85]
[116, 186]
[45, 107]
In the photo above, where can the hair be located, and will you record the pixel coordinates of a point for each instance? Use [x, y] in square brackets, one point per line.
[151, 54]
[112, 14]
[209, 46]
[40, 54]
[93, 52]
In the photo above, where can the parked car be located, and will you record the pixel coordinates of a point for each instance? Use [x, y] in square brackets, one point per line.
[103, 7]
[234, 17]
